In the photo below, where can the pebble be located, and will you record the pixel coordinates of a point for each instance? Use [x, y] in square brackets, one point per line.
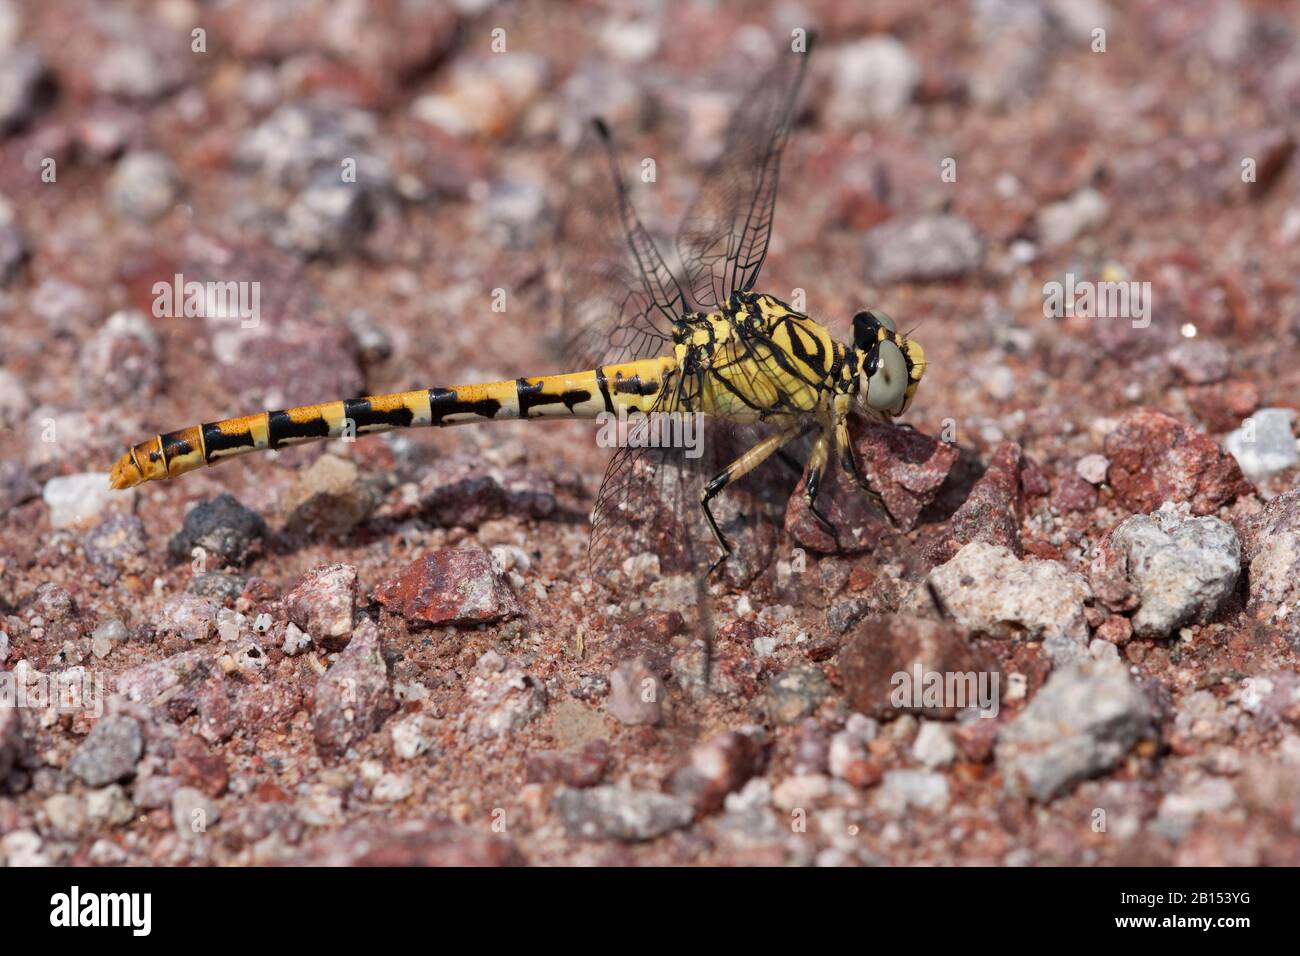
[1060, 223]
[121, 360]
[717, 767]
[1092, 468]
[193, 811]
[109, 753]
[178, 677]
[581, 768]
[1200, 361]
[26, 88]
[1182, 569]
[903, 790]
[222, 527]
[635, 693]
[391, 788]
[143, 185]
[328, 499]
[412, 736]
[928, 248]
[882, 648]
[459, 491]
[986, 588]
[1082, 722]
[504, 701]
[114, 543]
[934, 747]
[1274, 552]
[110, 805]
[616, 813]
[1265, 443]
[295, 641]
[75, 499]
[450, 586]
[795, 693]
[188, 616]
[330, 217]
[484, 98]
[302, 141]
[323, 603]
[872, 79]
[801, 791]
[16, 484]
[67, 814]
[1156, 458]
[991, 512]
[353, 697]
[1179, 811]
[54, 602]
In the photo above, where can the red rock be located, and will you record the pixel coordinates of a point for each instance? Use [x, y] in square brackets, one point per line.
[450, 586]
[1117, 629]
[582, 768]
[904, 466]
[1223, 406]
[323, 603]
[195, 766]
[717, 767]
[885, 646]
[259, 707]
[975, 740]
[173, 682]
[991, 512]
[1156, 458]
[461, 492]
[352, 698]
[1072, 493]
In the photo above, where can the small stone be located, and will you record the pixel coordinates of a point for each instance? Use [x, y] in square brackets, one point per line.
[188, 616]
[1182, 569]
[412, 736]
[143, 185]
[795, 693]
[1083, 721]
[989, 590]
[923, 249]
[1155, 458]
[223, 528]
[934, 747]
[504, 701]
[459, 491]
[873, 79]
[76, 499]
[635, 693]
[581, 768]
[1092, 468]
[1060, 223]
[11, 738]
[109, 753]
[391, 788]
[16, 483]
[54, 603]
[121, 361]
[328, 499]
[615, 813]
[221, 586]
[717, 767]
[331, 216]
[114, 543]
[174, 680]
[295, 641]
[903, 790]
[884, 665]
[26, 88]
[1274, 552]
[323, 603]
[484, 98]
[991, 512]
[1179, 811]
[352, 698]
[110, 806]
[450, 586]
[1200, 361]
[194, 765]
[1265, 444]
[67, 814]
[193, 811]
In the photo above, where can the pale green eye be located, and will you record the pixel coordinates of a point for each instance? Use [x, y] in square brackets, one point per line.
[887, 385]
[883, 319]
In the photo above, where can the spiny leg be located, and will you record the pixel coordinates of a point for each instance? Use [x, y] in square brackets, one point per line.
[738, 469]
[849, 461]
[817, 459]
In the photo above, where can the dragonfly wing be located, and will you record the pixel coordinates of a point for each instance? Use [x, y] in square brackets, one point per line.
[619, 299]
[724, 236]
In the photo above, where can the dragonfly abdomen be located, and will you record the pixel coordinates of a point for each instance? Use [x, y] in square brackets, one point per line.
[633, 386]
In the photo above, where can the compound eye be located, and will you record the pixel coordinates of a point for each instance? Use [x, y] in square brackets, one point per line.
[887, 381]
[883, 319]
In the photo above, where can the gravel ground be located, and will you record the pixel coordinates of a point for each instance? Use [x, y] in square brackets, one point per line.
[389, 650]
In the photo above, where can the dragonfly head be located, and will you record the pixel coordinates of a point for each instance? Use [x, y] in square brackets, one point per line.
[890, 365]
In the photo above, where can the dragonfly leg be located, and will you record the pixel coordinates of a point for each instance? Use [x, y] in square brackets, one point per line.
[812, 487]
[849, 462]
[736, 470]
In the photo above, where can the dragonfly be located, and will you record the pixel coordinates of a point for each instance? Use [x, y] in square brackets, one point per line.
[697, 340]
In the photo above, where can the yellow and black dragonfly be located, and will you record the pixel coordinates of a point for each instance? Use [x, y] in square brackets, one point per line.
[699, 341]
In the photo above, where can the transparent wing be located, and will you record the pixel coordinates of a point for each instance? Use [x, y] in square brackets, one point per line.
[619, 300]
[723, 238]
